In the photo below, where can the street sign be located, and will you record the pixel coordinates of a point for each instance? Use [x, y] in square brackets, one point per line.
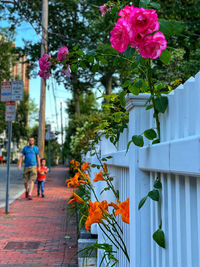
[6, 91]
[17, 90]
[10, 111]
[12, 91]
[49, 136]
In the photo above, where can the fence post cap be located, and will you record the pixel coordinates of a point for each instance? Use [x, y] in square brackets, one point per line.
[136, 101]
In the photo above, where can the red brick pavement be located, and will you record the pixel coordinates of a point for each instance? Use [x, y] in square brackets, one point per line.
[45, 221]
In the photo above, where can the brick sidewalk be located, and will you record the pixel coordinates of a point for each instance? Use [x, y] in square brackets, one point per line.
[41, 232]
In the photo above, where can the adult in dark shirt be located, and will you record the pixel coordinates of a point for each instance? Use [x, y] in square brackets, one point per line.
[32, 159]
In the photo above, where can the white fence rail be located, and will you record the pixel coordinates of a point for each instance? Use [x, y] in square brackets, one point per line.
[176, 161]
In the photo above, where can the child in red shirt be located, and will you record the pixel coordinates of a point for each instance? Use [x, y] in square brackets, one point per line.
[41, 176]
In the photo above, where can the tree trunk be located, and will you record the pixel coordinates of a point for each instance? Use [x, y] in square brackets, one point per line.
[109, 84]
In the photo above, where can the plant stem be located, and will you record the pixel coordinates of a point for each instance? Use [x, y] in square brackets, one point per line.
[109, 230]
[109, 183]
[151, 88]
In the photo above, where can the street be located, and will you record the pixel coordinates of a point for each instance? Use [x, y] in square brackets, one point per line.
[16, 184]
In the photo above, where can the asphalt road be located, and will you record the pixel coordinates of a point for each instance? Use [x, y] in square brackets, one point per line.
[16, 184]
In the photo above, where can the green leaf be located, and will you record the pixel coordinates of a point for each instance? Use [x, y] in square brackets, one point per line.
[172, 27]
[138, 83]
[122, 98]
[93, 165]
[155, 5]
[144, 3]
[149, 107]
[109, 157]
[154, 194]
[159, 238]
[76, 47]
[156, 141]
[103, 61]
[95, 68]
[134, 90]
[126, 84]
[128, 146]
[129, 52]
[138, 140]
[91, 59]
[150, 134]
[118, 116]
[80, 52]
[165, 57]
[142, 201]
[157, 184]
[74, 68]
[82, 64]
[161, 103]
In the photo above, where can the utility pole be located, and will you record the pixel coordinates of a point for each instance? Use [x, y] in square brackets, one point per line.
[61, 132]
[44, 47]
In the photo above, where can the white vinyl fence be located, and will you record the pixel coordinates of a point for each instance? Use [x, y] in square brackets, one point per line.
[176, 161]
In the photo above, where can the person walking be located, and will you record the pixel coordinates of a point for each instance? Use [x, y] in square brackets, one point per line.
[41, 176]
[32, 159]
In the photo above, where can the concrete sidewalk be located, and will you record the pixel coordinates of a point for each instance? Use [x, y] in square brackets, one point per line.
[41, 232]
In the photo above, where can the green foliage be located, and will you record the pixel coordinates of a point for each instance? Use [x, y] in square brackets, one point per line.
[150, 134]
[159, 238]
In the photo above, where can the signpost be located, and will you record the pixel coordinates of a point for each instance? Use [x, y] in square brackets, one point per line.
[11, 91]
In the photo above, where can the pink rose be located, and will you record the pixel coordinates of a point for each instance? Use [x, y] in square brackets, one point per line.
[136, 39]
[119, 36]
[143, 21]
[44, 74]
[104, 9]
[153, 45]
[62, 53]
[126, 11]
[44, 63]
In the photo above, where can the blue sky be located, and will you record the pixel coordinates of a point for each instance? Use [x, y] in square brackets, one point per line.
[25, 31]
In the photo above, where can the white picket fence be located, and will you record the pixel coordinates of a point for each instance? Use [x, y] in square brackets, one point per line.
[176, 161]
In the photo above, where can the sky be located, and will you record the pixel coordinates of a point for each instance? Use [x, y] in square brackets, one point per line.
[25, 31]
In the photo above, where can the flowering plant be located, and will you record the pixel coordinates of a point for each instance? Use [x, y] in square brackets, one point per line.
[100, 212]
[47, 63]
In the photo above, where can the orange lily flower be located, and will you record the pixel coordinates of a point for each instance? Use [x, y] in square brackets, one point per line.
[123, 209]
[74, 182]
[74, 163]
[85, 166]
[96, 213]
[76, 198]
[99, 177]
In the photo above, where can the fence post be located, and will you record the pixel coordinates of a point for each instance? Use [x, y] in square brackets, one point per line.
[139, 120]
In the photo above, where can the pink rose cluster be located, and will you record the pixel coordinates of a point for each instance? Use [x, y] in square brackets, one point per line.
[104, 9]
[45, 66]
[135, 27]
[62, 55]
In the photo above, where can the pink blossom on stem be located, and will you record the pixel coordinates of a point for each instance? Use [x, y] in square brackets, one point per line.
[62, 53]
[119, 35]
[104, 9]
[45, 65]
[126, 11]
[144, 21]
[153, 45]
[136, 39]
[44, 74]
[44, 62]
